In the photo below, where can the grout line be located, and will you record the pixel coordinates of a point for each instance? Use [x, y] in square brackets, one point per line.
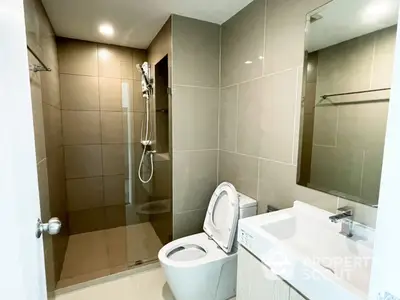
[324, 146]
[258, 157]
[371, 75]
[194, 150]
[197, 86]
[219, 99]
[265, 37]
[102, 110]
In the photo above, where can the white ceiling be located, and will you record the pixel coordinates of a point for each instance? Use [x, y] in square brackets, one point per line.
[344, 20]
[136, 22]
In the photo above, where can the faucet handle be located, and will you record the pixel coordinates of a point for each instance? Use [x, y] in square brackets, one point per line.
[346, 210]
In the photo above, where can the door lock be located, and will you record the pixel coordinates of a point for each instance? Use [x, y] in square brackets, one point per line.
[53, 227]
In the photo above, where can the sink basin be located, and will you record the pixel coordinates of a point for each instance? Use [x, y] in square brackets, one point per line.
[305, 249]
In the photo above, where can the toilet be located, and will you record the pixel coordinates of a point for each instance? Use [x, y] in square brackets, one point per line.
[203, 266]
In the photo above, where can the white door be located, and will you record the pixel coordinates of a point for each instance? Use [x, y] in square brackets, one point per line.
[22, 272]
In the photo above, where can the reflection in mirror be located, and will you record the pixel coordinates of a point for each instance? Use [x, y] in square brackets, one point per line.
[346, 88]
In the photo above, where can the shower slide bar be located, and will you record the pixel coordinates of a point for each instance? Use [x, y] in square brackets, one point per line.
[37, 68]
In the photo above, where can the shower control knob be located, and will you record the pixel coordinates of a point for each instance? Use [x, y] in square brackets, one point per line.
[53, 227]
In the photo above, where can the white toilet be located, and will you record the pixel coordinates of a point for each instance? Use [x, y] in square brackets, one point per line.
[203, 266]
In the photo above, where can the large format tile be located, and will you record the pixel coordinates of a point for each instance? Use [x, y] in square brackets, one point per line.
[52, 128]
[51, 88]
[115, 62]
[228, 118]
[284, 33]
[195, 121]
[84, 193]
[81, 127]
[188, 223]
[114, 190]
[38, 121]
[278, 116]
[113, 159]
[77, 57]
[243, 45]
[326, 126]
[196, 52]
[88, 220]
[138, 57]
[195, 178]
[249, 133]
[79, 92]
[111, 127]
[240, 170]
[83, 161]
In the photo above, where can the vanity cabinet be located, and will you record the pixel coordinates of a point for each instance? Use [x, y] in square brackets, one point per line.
[255, 281]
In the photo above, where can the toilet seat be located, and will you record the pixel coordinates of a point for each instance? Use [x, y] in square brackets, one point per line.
[169, 253]
[222, 216]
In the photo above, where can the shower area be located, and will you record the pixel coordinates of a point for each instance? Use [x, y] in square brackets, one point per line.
[103, 152]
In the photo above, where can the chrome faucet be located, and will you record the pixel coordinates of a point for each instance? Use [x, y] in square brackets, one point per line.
[345, 214]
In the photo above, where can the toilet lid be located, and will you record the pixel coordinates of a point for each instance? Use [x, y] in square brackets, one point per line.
[222, 216]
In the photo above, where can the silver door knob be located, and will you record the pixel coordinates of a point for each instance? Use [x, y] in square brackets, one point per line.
[53, 227]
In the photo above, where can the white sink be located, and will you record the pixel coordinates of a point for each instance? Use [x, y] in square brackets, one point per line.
[305, 249]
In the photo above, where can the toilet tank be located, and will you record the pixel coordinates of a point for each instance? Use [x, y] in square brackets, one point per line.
[247, 208]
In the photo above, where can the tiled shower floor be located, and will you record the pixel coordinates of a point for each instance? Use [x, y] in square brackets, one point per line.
[100, 253]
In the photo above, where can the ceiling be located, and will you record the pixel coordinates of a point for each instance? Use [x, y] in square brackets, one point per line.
[343, 20]
[136, 22]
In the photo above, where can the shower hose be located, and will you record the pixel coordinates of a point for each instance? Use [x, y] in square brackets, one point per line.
[146, 143]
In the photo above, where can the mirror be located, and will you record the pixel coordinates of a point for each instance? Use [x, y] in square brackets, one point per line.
[348, 62]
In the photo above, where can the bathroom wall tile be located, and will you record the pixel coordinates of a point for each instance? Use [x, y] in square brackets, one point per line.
[114, 190]
[251, 95]
[115, 216]
[385, 42]
[278, 116]
[276, 185]
[113, 159]
[83, 161]
[110, 93]
[195, 178]
[51, 88]
[115, 62]
[52, 127]
[345, 67]
[240, 170]
[84, 193]
[188, 223]
[326, 125]
[79, 92]
[228, 118]
[77, 57]
[161, 44]
[44, 196]
[362, 213]
[38, 122]
[57, 190]
[243, 45]
[88, 220]
[284, 33]
[81, 127]
[196, 47]
[111, 127]
[371, 179]
[138, 57]
[195, 120]
[132, 125]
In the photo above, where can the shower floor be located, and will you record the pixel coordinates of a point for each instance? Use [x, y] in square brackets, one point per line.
[100, 253]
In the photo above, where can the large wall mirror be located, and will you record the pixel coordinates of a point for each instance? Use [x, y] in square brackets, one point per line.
[349, 54]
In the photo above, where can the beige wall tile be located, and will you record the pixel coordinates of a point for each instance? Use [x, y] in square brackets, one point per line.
[325, 125]
[113, 159]
[196, 47]
[115, 216]
[241, 171]
[81, 127]
[195, 119]
[228, 118]
[139, 103]
[51, 88]
[243, 41]
[85, 193]
[116, 94]
[161, 44]
[88, 220]
[114, 190]
[111, 127]
[38, 122]
[77, 57]
[249, 132]
[79, 92]
[284, 34]
[83, 161]
[195, 179]
[44, 195]
[115, 62]
[188, 223]
[52, 127]
[278, 116]
[362, 213]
